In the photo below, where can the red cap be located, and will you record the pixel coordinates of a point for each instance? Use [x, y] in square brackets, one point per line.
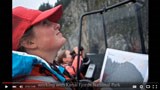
[23, 18]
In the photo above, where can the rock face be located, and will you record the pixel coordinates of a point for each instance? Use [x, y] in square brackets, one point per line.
[117, 72]
[121, 25]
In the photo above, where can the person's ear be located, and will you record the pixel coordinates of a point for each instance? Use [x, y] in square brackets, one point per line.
[29, 44]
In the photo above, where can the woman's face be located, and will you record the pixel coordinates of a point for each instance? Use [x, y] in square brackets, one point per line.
[68, 59]
[47, 36]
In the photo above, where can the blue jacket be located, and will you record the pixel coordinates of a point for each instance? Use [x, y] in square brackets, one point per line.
[22, 64]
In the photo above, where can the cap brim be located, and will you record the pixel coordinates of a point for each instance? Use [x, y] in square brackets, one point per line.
[53, 15]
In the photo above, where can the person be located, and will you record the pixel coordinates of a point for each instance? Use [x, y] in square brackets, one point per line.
[69, 60]
[36, 39]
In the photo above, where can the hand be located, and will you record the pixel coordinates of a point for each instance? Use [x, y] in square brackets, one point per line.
[75, 50]
[82, 53]
[96, 81]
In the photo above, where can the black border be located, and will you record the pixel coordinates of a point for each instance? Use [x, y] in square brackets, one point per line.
[154, 40]
[5, 41]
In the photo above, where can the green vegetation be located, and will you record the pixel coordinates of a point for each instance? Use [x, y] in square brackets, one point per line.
[45, 6]
[65, 3]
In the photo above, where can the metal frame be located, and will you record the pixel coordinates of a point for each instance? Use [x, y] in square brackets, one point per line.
[101, 11]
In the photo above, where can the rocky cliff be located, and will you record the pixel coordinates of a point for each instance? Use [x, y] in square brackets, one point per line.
[121, 25]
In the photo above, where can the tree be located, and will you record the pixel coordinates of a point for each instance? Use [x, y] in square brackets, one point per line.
[45, 6]
[62, 2]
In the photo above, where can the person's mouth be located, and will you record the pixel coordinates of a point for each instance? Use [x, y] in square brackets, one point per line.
[58, 33]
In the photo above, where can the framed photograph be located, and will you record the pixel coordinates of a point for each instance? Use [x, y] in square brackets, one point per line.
[123, 66]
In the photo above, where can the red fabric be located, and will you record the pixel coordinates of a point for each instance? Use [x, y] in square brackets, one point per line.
[73, 68]
[35, 72]
[74, 63]
[23, 18]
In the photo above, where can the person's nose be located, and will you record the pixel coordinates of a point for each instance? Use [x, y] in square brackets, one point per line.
[57, 26]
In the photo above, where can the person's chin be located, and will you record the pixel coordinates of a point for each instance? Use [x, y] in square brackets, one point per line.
[62, 41]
